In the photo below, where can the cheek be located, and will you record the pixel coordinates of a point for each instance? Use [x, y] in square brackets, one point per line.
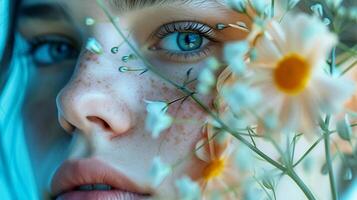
[189, 117]
[185, 134]
[181, 138]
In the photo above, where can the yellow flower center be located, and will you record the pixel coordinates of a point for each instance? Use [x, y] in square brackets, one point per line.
[214, 169]
[292, 74]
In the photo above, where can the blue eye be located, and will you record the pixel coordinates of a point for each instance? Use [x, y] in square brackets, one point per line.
[183, 42]
[47, 52]
[188, 40]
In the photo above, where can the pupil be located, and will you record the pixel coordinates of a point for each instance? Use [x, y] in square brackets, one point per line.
[189, 41]
[61, 51]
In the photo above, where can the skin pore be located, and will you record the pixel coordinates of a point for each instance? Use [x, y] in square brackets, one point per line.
[80, 106]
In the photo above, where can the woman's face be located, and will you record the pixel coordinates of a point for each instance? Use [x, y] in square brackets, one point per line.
[81, 111]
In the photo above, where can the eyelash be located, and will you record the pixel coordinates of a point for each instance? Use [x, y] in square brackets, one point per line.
[181, 26]
[186, 26]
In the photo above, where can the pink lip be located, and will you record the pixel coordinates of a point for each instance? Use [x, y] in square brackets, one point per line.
[74, 173]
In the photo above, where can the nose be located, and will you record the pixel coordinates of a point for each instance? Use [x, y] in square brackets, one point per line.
[89, 104]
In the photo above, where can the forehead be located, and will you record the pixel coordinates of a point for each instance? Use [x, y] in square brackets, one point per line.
[90, 7]
[74, 10]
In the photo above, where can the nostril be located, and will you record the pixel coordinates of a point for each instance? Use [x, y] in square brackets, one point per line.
[100, 122]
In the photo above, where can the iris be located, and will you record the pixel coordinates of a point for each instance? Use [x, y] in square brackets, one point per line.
[53, 52]
[189, 41]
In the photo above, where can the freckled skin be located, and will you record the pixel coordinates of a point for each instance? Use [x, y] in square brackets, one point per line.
[98, 101]
[123, 94]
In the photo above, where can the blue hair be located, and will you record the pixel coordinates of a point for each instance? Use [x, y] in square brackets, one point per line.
[16, 175]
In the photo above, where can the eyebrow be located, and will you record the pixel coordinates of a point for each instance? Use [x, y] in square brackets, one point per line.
[44, 11]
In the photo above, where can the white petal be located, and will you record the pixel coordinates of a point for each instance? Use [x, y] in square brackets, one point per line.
[267, 51]
[202, 153]
[289, 115]
[278, 34]
[289, 28]
[332, 92]
[309, 113]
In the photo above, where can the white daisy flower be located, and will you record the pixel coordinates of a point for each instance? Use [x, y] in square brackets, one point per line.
[207, 79]
[291, 75]
[220, 174]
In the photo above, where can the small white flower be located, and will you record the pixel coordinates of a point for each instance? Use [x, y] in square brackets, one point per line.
[270, 121]
[234, 49]
[237, 65]
[234, 54]
[344, 128]
[94, 46]
[157, 119]
[89, 21]
[244, 158]
[317, 9]
[206, 81]
[213, 63]
[188, 189]
[326, 21]
[240, 96]
[207, 78]
[158, 171]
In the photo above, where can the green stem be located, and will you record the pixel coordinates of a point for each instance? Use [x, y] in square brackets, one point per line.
[308, 151]
[329, 161]
[294, 147]
[251, 137]
[333, 61]
[272, 8]
[349, 68]
[301, 184]
[327, 138]
[350, 50]
[274, 193]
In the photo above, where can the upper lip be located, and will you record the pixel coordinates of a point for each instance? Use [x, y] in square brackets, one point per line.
[74, 173]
